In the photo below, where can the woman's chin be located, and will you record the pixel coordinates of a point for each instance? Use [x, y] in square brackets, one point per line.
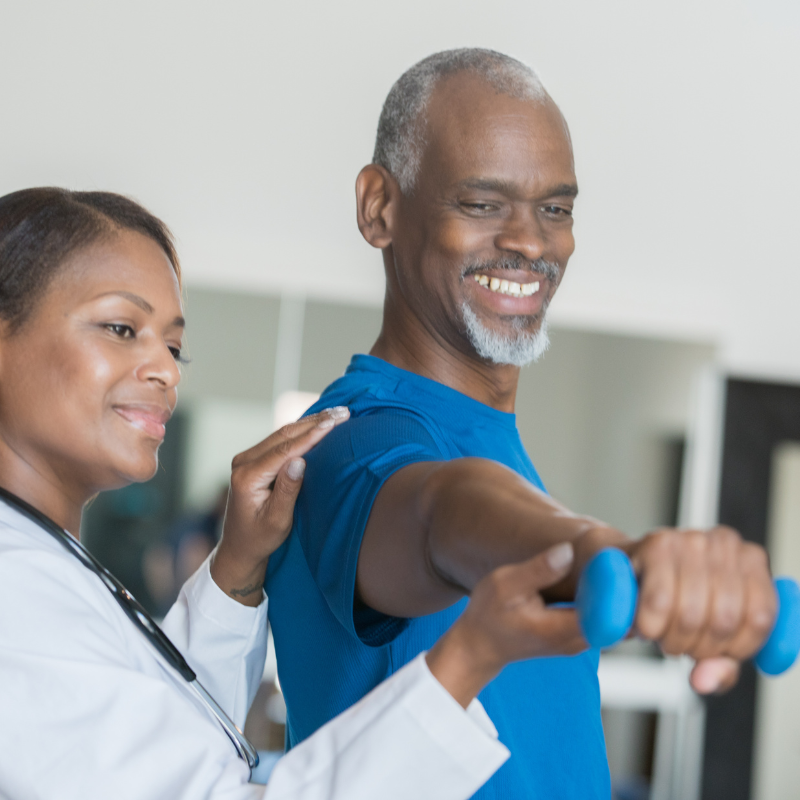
[139, 471]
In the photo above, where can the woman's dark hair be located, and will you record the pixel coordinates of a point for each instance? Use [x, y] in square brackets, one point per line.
[41, 228]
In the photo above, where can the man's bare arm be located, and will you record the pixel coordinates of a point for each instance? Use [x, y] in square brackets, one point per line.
[437, 528]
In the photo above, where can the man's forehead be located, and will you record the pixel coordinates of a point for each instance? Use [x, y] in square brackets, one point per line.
[464, 99]
[476, 133]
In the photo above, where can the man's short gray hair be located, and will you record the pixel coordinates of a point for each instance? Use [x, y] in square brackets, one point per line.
[400, 140]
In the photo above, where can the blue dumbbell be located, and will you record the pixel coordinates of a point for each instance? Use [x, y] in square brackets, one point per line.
[606, 605]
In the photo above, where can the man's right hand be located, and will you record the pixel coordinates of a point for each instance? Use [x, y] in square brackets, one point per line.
[708, 594]
[506, 621]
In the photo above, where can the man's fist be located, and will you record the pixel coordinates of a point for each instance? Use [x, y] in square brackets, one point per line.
[707, 594]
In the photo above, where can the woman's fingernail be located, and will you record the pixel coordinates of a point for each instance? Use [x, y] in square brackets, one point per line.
[560, 556]
[339, 412]
[327, 422]
[296, 469]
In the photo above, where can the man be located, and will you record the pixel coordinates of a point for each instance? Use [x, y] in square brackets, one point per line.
[427, 487]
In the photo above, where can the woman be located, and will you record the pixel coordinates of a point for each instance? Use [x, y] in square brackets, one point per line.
[93, 704]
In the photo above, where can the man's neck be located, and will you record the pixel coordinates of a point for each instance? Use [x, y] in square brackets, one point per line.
[411, 347]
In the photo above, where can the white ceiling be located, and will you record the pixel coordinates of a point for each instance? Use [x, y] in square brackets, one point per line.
[244, 124]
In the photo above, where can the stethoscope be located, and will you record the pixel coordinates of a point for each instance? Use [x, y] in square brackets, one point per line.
[142, 620]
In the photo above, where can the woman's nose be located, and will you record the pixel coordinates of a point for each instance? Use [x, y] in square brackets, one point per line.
[160, 366]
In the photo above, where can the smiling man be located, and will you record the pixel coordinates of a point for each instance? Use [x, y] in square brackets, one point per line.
[427, 487]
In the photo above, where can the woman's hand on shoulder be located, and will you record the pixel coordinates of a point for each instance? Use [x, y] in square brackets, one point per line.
[265, 482]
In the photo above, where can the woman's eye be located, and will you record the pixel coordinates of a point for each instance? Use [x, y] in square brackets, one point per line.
[176, 354]
[123, 331]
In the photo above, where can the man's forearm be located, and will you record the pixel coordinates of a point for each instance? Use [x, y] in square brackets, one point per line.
[480, 515]
[437, 528]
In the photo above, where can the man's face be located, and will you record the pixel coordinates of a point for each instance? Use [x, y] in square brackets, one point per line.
[486, 234]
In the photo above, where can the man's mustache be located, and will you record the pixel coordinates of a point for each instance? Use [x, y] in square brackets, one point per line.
[540, 266]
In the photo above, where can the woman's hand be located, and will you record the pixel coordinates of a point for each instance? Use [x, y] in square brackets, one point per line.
[507, 620]
[265, 481]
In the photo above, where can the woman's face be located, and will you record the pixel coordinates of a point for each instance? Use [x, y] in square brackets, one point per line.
[88, 382]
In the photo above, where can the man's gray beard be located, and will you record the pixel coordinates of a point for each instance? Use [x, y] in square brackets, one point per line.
[518, 349]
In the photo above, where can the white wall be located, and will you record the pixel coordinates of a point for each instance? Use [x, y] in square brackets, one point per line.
[599, 414]
[244, 125]
[218, 430]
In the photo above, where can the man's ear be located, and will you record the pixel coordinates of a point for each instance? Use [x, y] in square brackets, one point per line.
[377, 194]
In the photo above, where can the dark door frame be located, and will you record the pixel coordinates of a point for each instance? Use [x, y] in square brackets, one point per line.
[758, 417]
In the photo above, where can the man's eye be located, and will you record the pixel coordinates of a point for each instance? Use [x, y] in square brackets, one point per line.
[479, 207]
[558, 211]
[123, 331]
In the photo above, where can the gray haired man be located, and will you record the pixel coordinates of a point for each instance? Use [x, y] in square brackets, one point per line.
[427, 487]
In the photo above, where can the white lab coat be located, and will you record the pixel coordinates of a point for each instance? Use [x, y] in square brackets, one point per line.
[89, 711]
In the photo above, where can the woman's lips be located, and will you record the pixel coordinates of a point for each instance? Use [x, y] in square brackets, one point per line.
[151, 420]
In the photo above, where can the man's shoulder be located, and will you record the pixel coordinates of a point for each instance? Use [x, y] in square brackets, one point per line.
[378, 404]
[366, 391]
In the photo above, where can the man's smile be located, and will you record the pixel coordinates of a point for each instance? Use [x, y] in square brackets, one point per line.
[516, 292]
[505, 286]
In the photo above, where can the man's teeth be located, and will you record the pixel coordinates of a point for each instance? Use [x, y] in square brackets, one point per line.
[507, 287]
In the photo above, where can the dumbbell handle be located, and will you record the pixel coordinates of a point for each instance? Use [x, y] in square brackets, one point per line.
[606, 605]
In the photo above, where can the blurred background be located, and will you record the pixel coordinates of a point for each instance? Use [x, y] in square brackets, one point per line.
[671, 392]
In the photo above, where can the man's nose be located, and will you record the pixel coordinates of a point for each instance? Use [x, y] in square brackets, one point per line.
[522, 234]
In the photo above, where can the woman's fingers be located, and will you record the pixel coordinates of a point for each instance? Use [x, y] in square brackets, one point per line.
[263, 462]
[529, 577]
[540, 630]
[266, 478]
[560, 629]
[508, 619]
[265, 482]
[280, 510]
[503, 624]
[307, 431]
